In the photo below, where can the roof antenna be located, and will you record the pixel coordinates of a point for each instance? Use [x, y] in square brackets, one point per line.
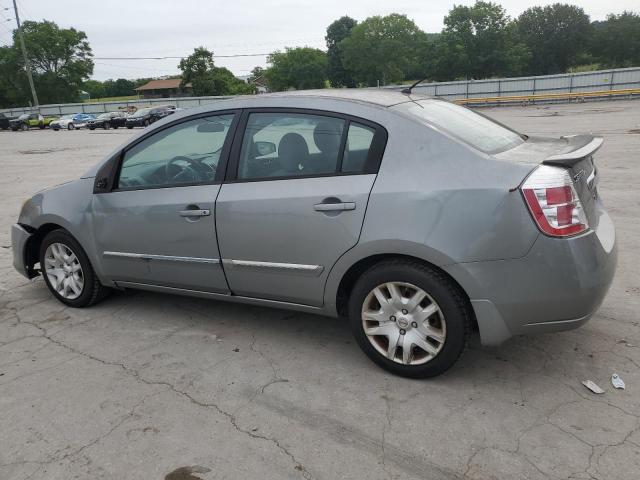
[407, 91]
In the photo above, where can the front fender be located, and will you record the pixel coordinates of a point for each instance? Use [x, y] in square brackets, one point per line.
[69, 206]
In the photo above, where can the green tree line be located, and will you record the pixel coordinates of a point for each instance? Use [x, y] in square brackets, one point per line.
[477, 41]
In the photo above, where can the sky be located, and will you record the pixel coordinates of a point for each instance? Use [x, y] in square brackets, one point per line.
[160, 28]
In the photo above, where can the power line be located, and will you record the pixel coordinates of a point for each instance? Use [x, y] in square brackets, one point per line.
[181, 57]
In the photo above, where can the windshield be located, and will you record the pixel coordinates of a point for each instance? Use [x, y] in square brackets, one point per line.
[104, 115]
[66, 117]
[24, 116]
[472, 128]
[142, 112]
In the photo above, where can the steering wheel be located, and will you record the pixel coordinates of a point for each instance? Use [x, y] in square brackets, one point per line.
[195, 171]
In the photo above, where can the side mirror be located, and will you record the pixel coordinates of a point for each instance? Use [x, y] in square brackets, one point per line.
[265, 148]
[210, 127]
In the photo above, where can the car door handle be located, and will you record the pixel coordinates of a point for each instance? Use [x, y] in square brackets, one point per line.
[194, 213]
[334, 207]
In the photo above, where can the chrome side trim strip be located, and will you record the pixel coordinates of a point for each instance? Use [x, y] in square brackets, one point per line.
[170, 258]
[296, 268]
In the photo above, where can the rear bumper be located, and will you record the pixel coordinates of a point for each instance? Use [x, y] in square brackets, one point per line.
[19, 239]
[557, 286]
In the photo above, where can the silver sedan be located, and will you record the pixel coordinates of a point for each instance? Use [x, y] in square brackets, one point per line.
[417, 220]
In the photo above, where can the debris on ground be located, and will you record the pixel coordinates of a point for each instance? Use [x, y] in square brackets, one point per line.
[592, 386]
[617, 382]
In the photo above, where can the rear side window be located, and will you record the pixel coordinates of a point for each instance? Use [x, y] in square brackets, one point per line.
[468, 126]
[287, 145]
[356, 152]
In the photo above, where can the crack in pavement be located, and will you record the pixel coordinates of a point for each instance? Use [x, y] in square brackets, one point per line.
[298, 466]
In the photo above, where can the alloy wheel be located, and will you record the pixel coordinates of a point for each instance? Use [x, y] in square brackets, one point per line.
[63, 271]
[403, 323]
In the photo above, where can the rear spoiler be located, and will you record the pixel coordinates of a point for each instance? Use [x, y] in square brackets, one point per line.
[578, 147]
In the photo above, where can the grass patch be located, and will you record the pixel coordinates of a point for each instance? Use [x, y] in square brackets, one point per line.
[111, 99]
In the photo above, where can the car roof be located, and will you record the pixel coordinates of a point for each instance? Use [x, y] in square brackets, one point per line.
[377, 96]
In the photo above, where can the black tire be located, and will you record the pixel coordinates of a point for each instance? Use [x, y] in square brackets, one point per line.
[115, 127]
[41, 126]
[25, 127]
[129, 126]
[443, 291]
[71, 126]
[92, 128]
[92, 291]
[106, 125]
[146, 123]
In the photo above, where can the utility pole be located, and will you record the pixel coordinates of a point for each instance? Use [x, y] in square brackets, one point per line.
[26, 59]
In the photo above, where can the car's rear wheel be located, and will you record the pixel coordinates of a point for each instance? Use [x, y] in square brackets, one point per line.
[106, 125]
[67, 271]
[129, 126]
[115, 127]
[41, 126]
[24, 127]
[146, 123]
[71, 126]
[409, 318]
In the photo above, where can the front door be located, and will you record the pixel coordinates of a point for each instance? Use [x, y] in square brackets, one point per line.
[295, 203]
[157, 226]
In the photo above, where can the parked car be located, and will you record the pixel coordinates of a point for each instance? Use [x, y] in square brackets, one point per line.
[73, 121]
[107, 120]
[29, 120]
[416, 219]
[146, 116]
[4, 121]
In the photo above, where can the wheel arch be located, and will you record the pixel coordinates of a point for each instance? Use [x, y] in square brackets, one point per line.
[341, 282]
[32, 247]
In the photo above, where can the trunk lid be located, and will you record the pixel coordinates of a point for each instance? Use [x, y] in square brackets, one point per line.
[575, 153]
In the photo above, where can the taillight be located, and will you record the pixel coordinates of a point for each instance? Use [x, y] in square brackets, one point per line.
[553, 201]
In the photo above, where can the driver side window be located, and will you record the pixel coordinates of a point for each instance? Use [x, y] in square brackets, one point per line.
[184, 154]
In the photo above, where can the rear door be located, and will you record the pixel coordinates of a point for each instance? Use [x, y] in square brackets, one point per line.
[294, 200]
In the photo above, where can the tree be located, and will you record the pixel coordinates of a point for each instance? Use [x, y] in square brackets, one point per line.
[14, 89]
[479, 41]
[257, 74]
[383, 49]
[196, 70]
[616, 41]
[556, 35]
[122, 88]
[95, 89]
[297, 68]
[336, 33]
[60, 59]
[206, 79]
[225, 83]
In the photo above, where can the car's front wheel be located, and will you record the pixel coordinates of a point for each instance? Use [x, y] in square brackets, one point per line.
[67, 271]
[106, 125]
[25, 127]
[71, 126]
[408, 318]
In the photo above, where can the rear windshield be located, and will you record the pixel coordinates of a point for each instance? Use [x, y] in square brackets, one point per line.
[472, 128]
